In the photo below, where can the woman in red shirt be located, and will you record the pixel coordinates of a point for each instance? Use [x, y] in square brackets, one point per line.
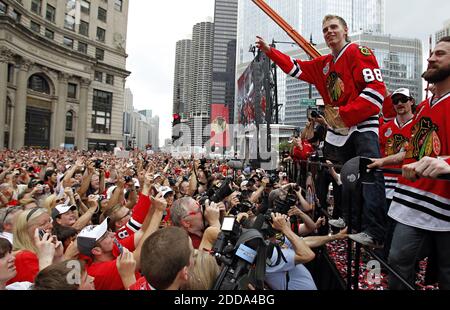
[34, 245]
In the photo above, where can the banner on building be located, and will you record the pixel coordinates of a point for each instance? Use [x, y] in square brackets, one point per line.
[219, 125]
[251, 105]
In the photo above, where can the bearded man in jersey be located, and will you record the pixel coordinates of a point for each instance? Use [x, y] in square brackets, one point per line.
[350, 83]
[421, 206]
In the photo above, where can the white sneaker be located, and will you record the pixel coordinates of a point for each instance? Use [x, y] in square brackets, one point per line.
[366, 240]
[339, 223]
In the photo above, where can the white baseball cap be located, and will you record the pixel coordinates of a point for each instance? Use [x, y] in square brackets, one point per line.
[61, 209]
[402, 91]
[165, 190]
[88, 237]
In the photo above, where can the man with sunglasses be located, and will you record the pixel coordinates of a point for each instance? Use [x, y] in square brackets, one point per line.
[188, 214]
[394, 137]
[420, 207]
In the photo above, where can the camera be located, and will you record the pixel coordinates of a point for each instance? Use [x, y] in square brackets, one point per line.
[98, 163]
[172, 181]
[317, 156]
[242, 254]
[279, 202]
[218, 193]
[243, 207]
[315, 114]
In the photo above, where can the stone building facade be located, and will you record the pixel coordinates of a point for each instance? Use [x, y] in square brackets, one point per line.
[62, 73]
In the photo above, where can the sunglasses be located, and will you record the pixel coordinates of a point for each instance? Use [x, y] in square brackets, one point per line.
[199, 210]
[400, 99]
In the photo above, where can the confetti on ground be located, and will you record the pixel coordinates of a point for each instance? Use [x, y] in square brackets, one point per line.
[337, 250]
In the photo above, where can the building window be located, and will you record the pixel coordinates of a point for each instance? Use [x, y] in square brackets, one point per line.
[38, 84]
[110, 79]
[82, 47]
[101, 111]
[101, 33]
[98, 76]
[85, 6]
[35, 27]
[84, 28]
[99, 54]
[10, 73]
[50, 13]
[102, 14]
[2, 7]
[69, 121]
[118, 5]
[36, 6]
[49, 34]
[68, 42]
[16, 16]
[69, 22]
[72, 91]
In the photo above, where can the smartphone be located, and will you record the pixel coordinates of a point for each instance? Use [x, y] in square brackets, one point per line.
[41, 233]
[119, 246]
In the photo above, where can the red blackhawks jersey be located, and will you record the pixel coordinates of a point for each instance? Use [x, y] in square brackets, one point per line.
[393, 140]
[140, 211]
[352, 81]
[425, 204]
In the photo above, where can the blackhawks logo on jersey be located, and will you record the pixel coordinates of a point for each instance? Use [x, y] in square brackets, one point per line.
[424, 140]
[335, 86]
[396, 144]
[365, 51]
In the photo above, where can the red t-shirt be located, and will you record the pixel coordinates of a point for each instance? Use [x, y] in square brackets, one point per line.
[141, 285]
[196, 240]
[106, 275]
[27, 267]
[303, 152]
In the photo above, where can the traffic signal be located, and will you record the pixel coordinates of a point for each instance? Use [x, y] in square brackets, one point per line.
[176, 121]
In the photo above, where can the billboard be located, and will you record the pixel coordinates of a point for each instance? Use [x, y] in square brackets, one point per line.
[251, 102]
[219, 125]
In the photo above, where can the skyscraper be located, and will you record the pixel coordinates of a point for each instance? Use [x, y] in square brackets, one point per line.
[252, 22]
[445, 31]
[181, 78]
[224, 53]
[360, 15]
[200, 81]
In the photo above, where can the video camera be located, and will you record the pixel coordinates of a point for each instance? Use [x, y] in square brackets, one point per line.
[242, 253]
[218, 192]
[244, 205]
[279, 202]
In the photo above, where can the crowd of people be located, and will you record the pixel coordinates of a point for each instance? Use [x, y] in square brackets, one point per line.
[77, 220]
